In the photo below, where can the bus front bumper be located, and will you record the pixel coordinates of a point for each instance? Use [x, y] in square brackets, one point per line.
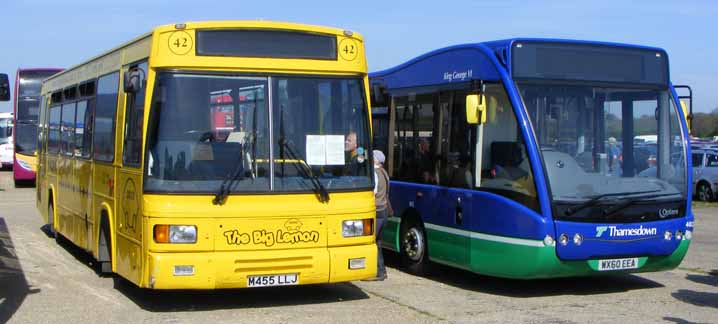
[221, 270]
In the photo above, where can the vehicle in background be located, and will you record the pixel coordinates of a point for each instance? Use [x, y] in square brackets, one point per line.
[705, 174]
[26, 108]
[686, 101]
[520, 158]
[4, 87]
[6, 144]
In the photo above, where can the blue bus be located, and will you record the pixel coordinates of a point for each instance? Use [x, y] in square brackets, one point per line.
[521, 158]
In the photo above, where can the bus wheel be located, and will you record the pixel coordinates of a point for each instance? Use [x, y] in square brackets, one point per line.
[51, 220]
[704, 192]
[413, 247]
[105, 251]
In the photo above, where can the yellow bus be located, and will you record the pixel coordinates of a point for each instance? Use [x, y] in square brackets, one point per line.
[208, 155]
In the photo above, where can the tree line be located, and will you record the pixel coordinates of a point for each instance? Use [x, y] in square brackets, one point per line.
[705, 124]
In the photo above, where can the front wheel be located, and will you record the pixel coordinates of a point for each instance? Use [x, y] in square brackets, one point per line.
[413, 247]
[705, 193]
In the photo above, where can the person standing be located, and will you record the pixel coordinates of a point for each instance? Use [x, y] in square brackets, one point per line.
[383, 207]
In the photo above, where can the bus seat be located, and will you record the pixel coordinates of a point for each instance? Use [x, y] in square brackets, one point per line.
[506, 157]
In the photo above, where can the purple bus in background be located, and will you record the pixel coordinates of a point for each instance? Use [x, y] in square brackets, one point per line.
[26, 107]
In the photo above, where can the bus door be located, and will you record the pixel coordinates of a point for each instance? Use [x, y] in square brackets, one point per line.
[453, 142]
[83, 167]
[458, 140]
[66, 206]
[128, 219]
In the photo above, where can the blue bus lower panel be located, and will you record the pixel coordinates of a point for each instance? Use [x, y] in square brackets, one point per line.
[658, 238]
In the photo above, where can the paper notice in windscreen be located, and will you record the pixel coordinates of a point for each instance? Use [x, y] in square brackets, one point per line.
[335, 149]
[316, 150]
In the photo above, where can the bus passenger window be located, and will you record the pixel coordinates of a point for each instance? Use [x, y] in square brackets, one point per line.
[103, 139]
[53, 145]
[67, 129]
[415, 157]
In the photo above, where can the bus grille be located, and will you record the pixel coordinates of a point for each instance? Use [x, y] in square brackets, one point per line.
[298, 263]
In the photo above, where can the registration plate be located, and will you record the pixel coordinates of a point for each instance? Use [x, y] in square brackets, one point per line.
[273, 280]
[617, 264]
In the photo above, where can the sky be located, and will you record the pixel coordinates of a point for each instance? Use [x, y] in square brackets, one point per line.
[51, 33]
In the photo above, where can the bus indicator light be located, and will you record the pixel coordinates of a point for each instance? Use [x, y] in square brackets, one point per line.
[548, 241]
[162, 233]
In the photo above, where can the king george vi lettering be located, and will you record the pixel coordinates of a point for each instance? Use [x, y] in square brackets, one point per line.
[458, 75]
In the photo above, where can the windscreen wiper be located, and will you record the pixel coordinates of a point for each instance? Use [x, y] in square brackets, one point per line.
[609, 212]
[595, 199]
[306, 171]
[226, 187]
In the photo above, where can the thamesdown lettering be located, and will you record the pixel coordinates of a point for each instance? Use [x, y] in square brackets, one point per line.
[640, 231]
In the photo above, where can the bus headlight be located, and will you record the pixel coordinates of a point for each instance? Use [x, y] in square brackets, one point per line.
[175, 233]
[24, 164]
[577, 239]
[357, 227]
[667, 236]
[563, 239]
[679, 235]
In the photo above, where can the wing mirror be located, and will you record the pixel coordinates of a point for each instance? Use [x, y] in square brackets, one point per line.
[133, 80]
[475, 109]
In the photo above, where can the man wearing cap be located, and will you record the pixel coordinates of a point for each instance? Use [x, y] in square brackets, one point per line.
[381, 196]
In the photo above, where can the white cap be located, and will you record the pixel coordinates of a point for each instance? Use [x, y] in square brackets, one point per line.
[379, 156]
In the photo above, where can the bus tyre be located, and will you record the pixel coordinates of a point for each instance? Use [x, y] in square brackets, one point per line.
[705, 193]
[105, 251]
[51, 221]
[413, 247]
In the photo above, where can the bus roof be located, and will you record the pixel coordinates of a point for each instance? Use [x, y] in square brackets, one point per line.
[218, 24]
[467, 62]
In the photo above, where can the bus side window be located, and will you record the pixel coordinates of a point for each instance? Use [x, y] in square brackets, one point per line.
[505, 167]
[415, 158]
[134, 117]
[67, 129]
[103, 130]
[457, 140]
[712, 161]
[86, 148]
[80, 129]
[53, 134]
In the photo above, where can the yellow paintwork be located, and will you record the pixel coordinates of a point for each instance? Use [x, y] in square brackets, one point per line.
[295, 233]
